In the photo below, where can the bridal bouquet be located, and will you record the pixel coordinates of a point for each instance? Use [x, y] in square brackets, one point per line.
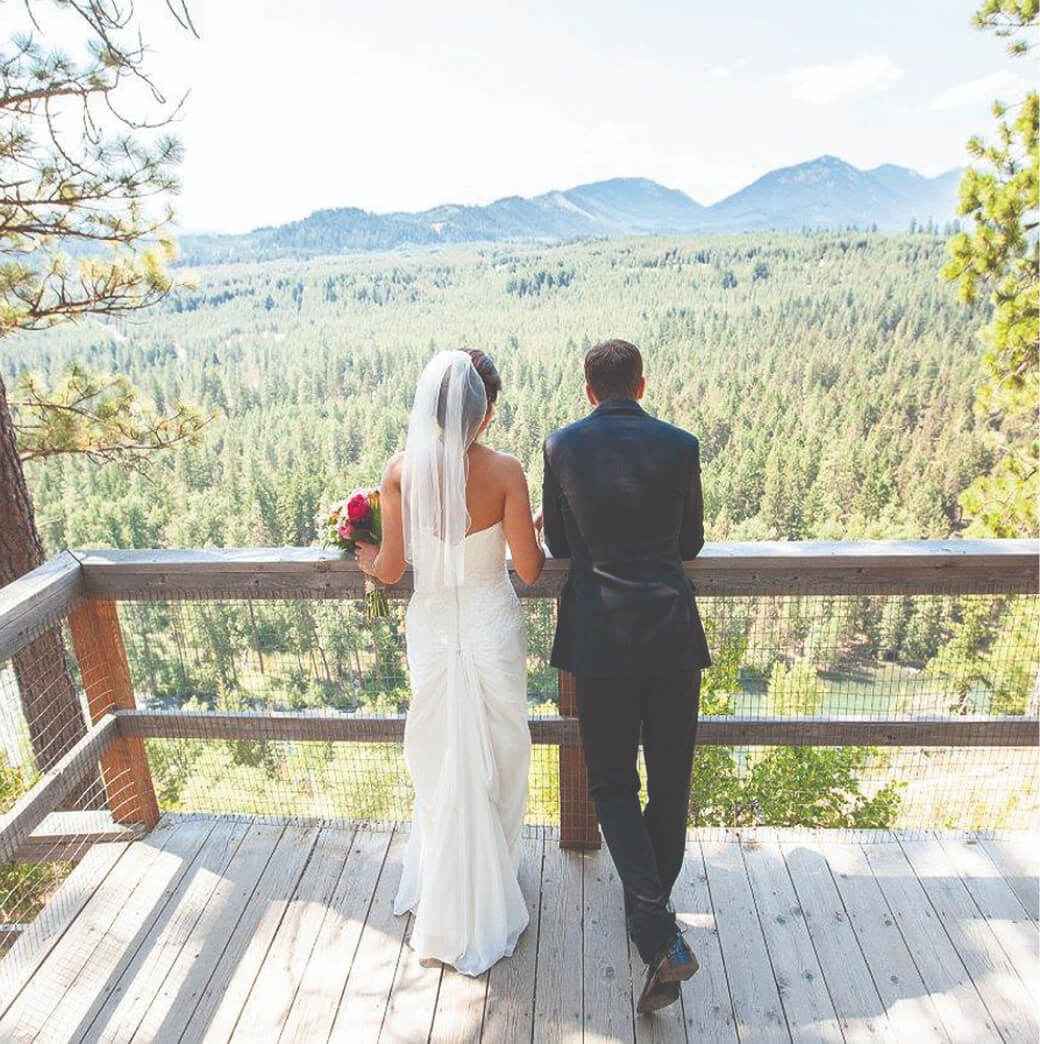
[345, 523]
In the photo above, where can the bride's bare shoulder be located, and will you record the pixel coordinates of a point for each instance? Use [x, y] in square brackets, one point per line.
[503, 465]
[392, 471]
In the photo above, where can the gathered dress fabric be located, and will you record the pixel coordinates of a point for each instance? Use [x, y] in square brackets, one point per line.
[467, 747]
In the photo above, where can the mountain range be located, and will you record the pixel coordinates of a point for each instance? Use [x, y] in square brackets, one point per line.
[823, 193]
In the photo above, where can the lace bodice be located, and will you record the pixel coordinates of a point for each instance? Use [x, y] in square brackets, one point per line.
[487, 611]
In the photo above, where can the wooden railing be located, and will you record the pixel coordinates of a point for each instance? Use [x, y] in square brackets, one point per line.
[86, 586]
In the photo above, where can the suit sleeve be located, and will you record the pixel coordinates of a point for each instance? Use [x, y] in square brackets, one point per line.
[555, 534]
[691, 536]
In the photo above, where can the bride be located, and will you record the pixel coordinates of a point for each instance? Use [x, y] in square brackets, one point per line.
[450, 506]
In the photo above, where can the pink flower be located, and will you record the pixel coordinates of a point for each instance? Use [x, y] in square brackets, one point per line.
[345, 530]
[358, 508]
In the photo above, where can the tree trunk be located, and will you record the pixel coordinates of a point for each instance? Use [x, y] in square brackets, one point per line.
[48, 693]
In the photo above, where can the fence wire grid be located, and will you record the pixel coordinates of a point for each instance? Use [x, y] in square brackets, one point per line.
[197, 661]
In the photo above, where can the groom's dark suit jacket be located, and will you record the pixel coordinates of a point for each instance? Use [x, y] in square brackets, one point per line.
[622, 499]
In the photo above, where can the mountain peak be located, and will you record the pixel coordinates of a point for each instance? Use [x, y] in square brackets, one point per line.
[825, 192]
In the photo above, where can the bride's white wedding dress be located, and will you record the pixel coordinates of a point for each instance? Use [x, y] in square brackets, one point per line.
[468, 749]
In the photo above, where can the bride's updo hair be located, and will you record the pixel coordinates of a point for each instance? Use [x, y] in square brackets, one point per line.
[488, 374]
[492, 385]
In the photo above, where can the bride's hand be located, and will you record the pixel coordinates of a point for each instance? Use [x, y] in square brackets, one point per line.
[538, 521]
[366, 557]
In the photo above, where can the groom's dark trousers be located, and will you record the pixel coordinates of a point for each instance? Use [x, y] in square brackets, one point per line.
[622, 500]
[647, 846]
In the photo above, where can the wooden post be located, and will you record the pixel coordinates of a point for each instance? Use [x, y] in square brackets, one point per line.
[98, 640]
[578, 825]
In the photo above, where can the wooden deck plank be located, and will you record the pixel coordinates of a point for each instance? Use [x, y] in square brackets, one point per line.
[1001, 989]
[413, 997]
[118, 1008]
[557, 999]
[274, 988]
[247, 938]
[1019, 862]
[322, 982]
[799, 977]
[1002, 909]
[757, 1007]
[289, 935]
[509, 1013]
[364, 1001]
[963, 1014]
[707, 1006]
[105, 936]
[856, 1000]
[36, 942]
[459, 1015]
[907, 1003]
[187, 978]
[608, 1012]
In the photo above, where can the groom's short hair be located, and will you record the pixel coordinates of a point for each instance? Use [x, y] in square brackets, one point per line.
[613, 370]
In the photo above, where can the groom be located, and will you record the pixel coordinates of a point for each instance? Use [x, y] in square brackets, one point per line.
[622, 501]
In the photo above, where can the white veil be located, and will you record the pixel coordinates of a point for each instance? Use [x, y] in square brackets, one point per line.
[449, 407]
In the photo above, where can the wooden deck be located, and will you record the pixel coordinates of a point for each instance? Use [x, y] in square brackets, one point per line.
[218, 929]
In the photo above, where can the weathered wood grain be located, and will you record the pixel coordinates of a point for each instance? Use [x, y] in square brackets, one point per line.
[332, 959]
[198, 959]
[364, 1001]
[37, 599]
[757, 1008]
[946, 981]
[105, 936]
[707, 1005]
[558, 987]
[766, 567]
[70, 836]
[720, 730]
[1004, 993]
[105, 670]
[509, 1014]
[1019, 862]
[48, 791]
[37, 940]
[856, 1000]
[796, 968]
[606, 974]
[117, 1010]
[997, 902]
[247, 938]
[274, 989]
[904, 996]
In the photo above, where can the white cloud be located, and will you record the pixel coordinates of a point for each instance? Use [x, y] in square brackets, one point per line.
[720, 72]
[825, 84]
[1005, 85]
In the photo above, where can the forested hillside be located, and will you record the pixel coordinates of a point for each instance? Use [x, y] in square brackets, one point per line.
[829, 378]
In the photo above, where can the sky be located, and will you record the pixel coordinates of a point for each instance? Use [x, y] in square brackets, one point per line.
[404, 105]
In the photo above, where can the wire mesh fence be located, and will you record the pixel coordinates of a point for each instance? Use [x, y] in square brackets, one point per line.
[321, 664]
[827, 658]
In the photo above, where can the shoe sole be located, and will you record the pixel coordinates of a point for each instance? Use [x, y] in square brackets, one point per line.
[680, 974]
[656, 1002]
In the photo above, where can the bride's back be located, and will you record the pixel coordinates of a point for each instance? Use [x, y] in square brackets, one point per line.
[486, 487]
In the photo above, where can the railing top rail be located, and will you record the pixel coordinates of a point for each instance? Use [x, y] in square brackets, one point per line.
[31, 601]
[759, 568]
[766, 567]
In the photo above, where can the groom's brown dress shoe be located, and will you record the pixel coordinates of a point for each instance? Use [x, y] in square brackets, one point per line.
[665, 974]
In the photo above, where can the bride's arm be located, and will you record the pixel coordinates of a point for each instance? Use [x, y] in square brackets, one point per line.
[387, 563]
[528, 556]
